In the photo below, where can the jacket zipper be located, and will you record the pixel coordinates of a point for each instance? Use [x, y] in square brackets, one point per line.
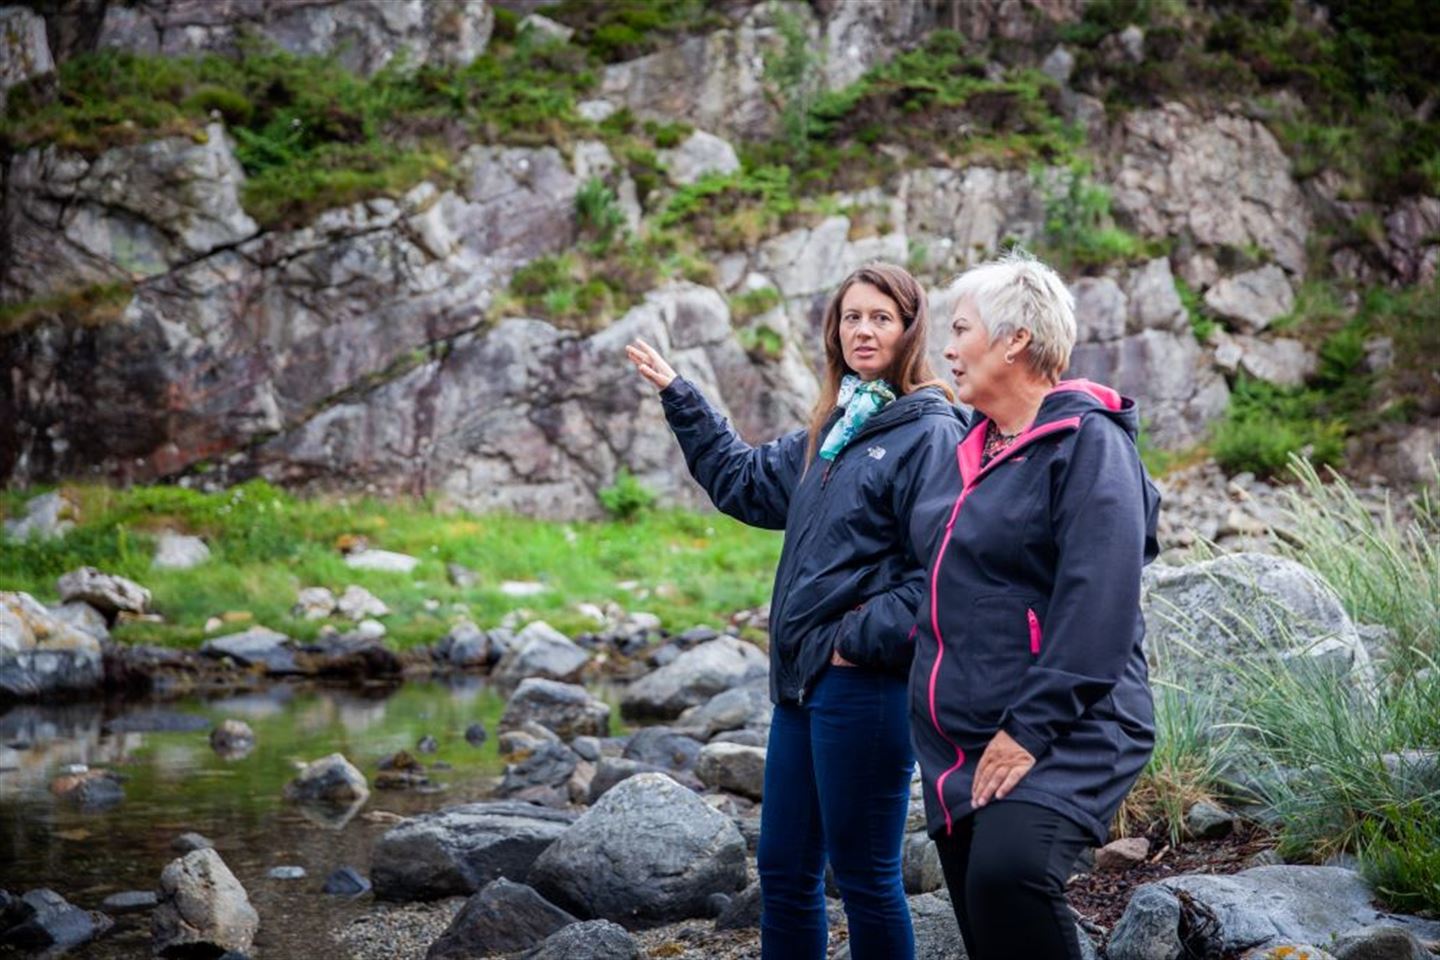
[966, 485]
[1034, 632]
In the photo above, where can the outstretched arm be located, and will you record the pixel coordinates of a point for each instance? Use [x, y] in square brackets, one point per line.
[751, 484]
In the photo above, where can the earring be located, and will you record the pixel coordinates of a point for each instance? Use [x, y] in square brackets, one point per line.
[1010, 358]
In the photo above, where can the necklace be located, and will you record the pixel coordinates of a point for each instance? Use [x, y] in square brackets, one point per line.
[995, 441]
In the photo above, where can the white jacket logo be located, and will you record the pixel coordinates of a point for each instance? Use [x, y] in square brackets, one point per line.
[876, 453]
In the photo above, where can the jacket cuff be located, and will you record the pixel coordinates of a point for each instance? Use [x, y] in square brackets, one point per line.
[1028, 737]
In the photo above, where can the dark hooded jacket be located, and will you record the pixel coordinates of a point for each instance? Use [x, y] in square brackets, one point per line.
[848, 577]
[1031, 620]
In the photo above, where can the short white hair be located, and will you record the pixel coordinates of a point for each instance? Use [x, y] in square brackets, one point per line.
[1018, 292]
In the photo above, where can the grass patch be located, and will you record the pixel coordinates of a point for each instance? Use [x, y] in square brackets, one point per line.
[687, 568]
[1383, 571]
[1186, 768]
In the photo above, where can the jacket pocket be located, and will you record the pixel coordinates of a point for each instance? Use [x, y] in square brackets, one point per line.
[1002, 643]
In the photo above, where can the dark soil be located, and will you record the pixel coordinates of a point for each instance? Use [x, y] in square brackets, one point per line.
[1101, 898]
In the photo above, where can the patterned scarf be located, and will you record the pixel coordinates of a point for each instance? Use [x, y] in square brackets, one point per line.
[862, 399]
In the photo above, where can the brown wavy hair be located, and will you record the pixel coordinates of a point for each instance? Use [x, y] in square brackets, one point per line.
[910, 370]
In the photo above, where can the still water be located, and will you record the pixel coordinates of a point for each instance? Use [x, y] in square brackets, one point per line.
[175, 783]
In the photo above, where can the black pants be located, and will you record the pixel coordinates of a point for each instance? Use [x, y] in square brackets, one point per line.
[1006, 866]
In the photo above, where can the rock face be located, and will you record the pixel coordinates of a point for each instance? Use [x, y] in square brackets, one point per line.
[1241, 604]
[1224, 180]
[503, 917]
[649, 852]
[1261, 907]
[566, 709]
[693, 678]
[132, 212]
[24, 50]
[365, 35]
[41, 654]
[202, 908]
[458, 850]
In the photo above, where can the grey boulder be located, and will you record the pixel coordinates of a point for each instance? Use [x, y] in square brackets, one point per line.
[501, 918]
[649, 852]
[693, 678]
[457, 850]
[203, 909]
[565, 709]
[588, 940]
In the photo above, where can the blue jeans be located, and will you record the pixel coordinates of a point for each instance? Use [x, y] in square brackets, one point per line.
[837, 787]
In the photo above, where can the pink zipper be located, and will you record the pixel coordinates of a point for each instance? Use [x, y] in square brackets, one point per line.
[977, 443]
[1034, 632]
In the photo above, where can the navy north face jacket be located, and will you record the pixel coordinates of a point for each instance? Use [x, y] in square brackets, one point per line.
[848, 576]
[1031, 620]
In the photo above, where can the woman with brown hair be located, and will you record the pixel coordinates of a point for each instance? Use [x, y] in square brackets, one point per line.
[838, 763]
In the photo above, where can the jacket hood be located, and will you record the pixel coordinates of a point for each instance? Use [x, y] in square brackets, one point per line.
[1078, 398]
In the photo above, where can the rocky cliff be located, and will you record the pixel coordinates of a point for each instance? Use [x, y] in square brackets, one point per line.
[159, 324]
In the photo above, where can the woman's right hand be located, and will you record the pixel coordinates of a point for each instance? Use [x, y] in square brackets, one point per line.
[651, 365]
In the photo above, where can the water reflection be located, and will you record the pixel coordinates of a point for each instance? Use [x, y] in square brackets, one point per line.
[174, 782]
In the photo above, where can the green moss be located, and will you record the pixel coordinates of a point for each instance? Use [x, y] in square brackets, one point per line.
[752, 303]
[625, 29]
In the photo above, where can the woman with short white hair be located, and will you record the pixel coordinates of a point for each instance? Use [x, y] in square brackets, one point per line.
[1030, 706]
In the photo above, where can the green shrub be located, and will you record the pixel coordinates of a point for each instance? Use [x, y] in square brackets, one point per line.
[1079, 230]
[762, 343]
[1186, 767]
[627, 497]
[599, 214]
[1265, 424]
[751, 303]
[1400, 856]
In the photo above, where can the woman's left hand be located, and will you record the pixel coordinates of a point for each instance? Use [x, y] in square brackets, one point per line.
[1003, 764]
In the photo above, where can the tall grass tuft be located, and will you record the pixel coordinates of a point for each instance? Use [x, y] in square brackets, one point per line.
[1384, 571]
[1186, 768]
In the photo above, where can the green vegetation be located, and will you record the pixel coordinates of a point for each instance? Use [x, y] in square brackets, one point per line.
[934, 101]
[625, 29]
[627, 497]
[794, 76]
[735, 211]
[749, 304]
[266, 544]
[309, 133]
[1356, 86]
[1266, 423]
[1186, 768]
[1383, 571]
[1080, 233]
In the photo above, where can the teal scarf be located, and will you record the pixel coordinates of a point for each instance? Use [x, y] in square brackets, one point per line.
[862, 399]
